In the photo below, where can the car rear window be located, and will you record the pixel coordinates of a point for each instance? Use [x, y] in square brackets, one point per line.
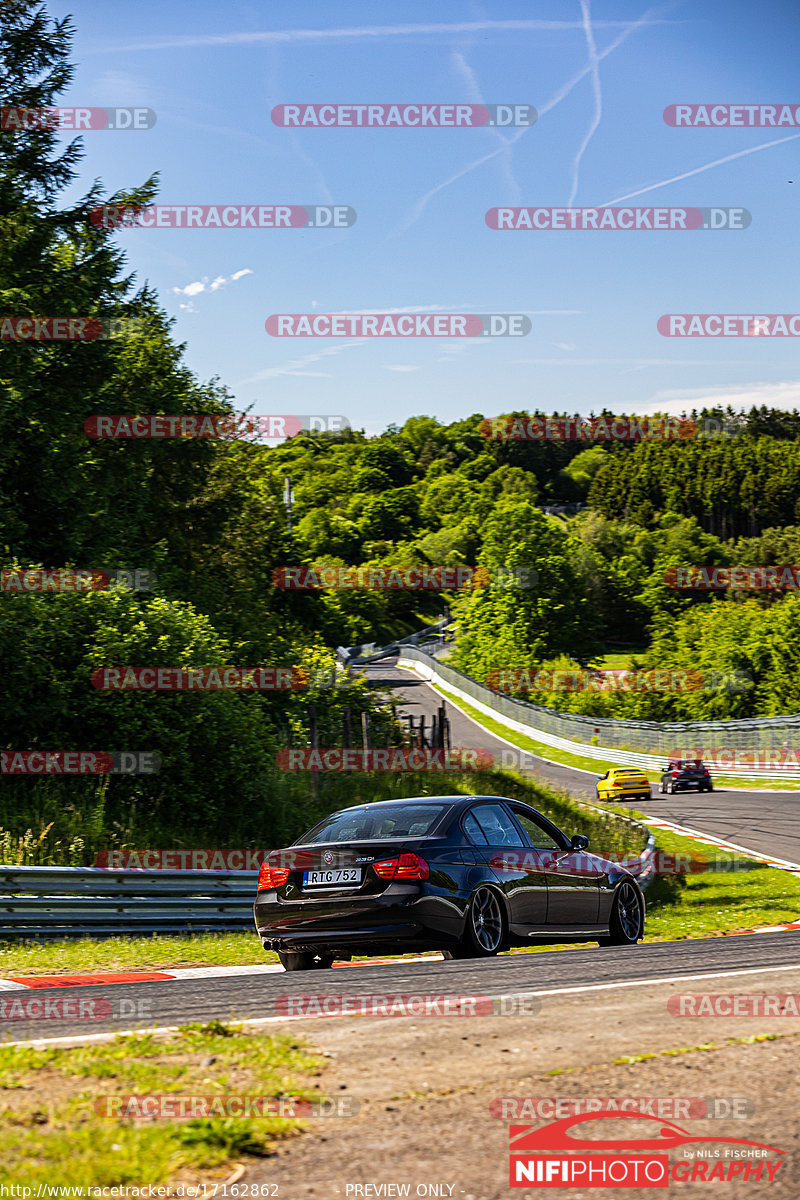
[368, 824]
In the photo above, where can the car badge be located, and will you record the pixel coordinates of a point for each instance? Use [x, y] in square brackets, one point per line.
[328, 857]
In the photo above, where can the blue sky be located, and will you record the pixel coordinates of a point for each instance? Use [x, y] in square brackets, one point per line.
[600, 74]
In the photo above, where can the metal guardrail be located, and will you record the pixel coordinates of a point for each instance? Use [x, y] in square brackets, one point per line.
[72, 902]
[67, 902]
[370, 652]
[645, 744]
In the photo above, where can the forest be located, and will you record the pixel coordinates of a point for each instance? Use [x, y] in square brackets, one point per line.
[207, 517]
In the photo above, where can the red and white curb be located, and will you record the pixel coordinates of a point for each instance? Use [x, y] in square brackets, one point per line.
[24, 983]
[67, 981]
[251, 1025]
[178, 973]
[780, 864]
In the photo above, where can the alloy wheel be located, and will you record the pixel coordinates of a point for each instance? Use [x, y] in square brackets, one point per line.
[629, 911]
[487, 920]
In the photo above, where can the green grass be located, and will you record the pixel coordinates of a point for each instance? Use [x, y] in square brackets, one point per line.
[132, 953]
[716, 902]
[52, 1133]
[706, 904]
[618, 661]
[595, 766]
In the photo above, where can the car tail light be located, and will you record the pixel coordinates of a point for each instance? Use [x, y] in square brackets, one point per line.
[271, 877]
[407, 866]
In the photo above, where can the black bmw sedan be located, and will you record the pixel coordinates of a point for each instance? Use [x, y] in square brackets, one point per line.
[466, 875]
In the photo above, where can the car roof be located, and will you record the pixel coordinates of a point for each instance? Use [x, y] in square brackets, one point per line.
[460, 799]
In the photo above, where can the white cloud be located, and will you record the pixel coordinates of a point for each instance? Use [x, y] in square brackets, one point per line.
[628, 28]
[468, 76]
[191, 289]
[295, 365]
[410, 308]
[121, 89]
[594, 62]
[699, 170]
[203, 285]
[785, 395]
[359, 32]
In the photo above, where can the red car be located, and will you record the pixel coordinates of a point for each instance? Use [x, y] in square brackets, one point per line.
[685, 775]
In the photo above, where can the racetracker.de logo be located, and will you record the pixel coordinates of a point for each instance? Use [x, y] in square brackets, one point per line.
[61, 579]
[729, 325]
[524, 428]
[618, 218]
[393, 1004]
[38, 120]
[180, 860]
[396, 758]
[199, 679]
[47, 1008]
[722, 115]
[210, 425]
[402, 116]
[79, 762]
[660, 862]
[398, 325]
[514, 680]
[747, 759]
[424, 578]
[223, 216]
[68, 329]
[747, 578]
[172, 1107]
[680, 1108]
[732, 1004]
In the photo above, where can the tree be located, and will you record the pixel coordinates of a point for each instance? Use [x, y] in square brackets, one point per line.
[502, 626]
[109, 503]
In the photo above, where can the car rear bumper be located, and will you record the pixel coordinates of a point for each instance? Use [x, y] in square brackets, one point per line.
[399, 918]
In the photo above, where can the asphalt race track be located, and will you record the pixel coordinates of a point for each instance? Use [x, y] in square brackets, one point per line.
[767, 822]
[242, 997]
[760, 821]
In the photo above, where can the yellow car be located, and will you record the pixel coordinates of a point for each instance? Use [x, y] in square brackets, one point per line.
[623, 783]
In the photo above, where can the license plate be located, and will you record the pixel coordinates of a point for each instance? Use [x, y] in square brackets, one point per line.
[331, 878]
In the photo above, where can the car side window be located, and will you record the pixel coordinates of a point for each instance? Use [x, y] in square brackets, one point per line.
[497, 826]
[540, 839]
[473, 830]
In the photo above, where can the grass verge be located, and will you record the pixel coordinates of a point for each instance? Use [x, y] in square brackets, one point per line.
[51, 1131]
[134, 953]
[733, 893]
[736, 893]
[596, 766]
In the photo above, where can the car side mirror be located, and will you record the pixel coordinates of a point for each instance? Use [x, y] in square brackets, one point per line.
[579, 841]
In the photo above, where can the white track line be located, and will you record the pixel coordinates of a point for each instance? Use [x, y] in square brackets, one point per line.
[782, 864]
[657, 823]
[261, 1022]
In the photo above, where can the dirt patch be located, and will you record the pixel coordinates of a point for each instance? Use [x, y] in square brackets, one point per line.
[426, 1089]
